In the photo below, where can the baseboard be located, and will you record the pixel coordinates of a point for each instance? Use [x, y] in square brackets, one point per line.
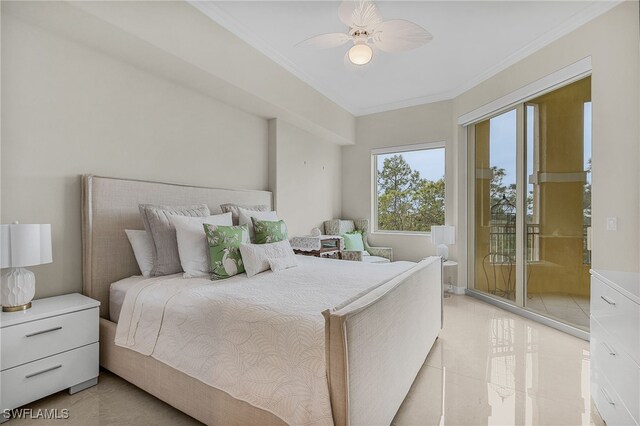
[526, 313]
[454, 289]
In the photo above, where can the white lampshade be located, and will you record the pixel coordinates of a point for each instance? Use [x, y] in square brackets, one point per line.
[25, 245]
[443, 234]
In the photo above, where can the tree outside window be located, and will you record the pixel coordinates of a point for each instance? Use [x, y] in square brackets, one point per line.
[410, 190]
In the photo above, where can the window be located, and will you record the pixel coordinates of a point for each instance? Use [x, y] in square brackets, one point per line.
[409, 188]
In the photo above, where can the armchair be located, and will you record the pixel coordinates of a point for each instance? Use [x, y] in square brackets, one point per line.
[376, 254]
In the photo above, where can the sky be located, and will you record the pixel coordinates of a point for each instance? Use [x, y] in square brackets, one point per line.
[430, 162]
[502, 152]
[503, 135]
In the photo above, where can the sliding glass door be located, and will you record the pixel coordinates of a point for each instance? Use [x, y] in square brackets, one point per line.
[532, 204]
[558, 255]
[496, 211]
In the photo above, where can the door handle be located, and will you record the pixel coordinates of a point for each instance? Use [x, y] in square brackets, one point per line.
[609, 349]
[609, 301]
[607, 397]
[49, 330]
[46, 370]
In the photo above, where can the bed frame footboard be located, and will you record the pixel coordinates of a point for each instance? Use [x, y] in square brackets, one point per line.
[377, 343]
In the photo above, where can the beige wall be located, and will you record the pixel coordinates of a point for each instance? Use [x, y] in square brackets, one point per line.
[87, 88]
[612, 41]
[308, 177]
[174, 40]
[414, 125]
[70, 108]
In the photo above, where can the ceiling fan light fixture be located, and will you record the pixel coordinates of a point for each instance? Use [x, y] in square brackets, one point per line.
[360, 54]
[366, 28]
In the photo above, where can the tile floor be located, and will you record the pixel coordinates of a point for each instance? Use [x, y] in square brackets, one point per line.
[565, 307]
[488, 367]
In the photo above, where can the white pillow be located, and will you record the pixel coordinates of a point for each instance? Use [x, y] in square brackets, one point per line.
[142, 246]
[192, 242]
[256, 256]
[278, 264]
[244, 218]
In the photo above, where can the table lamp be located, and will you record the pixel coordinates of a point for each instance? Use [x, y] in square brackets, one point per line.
[441, 236]
[20, 246]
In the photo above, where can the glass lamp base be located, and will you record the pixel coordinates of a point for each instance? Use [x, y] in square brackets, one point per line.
[443, 251]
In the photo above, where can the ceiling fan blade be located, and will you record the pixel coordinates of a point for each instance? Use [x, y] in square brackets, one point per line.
[399, 35]
[359, 14]
[325, 41]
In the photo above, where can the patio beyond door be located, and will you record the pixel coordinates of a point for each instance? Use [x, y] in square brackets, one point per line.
[532, 204]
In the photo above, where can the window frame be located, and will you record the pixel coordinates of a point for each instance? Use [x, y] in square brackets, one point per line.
[399, 149]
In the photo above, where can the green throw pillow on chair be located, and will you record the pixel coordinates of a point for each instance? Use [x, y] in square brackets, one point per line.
[353, 241]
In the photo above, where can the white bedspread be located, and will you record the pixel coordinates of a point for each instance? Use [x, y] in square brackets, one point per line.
[259, 339]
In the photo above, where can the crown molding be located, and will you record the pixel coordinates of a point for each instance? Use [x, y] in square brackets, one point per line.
[568, 26]
[215, 13]
[405, 103]
[218, 15]
[547, 38]
[561, 77]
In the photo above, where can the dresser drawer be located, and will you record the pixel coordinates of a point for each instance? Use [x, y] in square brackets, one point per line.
[618, 315]
[34, 340]
[610, 406]
[617, 366]
[37, 379]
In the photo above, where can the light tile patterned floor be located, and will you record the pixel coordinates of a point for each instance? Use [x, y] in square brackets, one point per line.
[492, 367]
[488, 367]
[564, 307]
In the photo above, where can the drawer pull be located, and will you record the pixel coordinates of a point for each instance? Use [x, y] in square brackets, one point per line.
[609, 349]
[609, 301]
[607, 397]
[49, 330]
[46, 370]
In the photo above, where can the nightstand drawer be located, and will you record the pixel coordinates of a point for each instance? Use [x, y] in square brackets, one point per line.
[617, 366]
[608, 402]
[28, 382]
[30, 341]
[618, 315]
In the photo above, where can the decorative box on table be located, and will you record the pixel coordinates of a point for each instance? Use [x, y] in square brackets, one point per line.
[319, 246]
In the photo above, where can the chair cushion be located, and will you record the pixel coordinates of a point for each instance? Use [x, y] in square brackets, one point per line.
[375, 259]
[353, 241]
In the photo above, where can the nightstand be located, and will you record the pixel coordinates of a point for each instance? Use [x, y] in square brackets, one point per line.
[50, 347]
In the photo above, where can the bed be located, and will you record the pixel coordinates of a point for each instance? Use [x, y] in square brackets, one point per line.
[373, 337]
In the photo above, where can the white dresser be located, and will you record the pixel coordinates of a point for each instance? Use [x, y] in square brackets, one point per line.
[615, 346]
[48, 348]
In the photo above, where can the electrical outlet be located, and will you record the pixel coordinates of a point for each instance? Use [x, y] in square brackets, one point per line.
[612, 224]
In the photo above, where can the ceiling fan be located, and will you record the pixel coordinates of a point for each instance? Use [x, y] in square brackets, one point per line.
[366, 29]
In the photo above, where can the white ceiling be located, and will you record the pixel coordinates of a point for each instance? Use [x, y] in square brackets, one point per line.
[473, 40]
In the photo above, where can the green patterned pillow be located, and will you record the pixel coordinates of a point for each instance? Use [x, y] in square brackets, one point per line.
[224, 249]
[266, 231]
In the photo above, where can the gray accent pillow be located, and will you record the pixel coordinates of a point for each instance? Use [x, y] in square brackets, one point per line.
[166, 259]
[235, 214]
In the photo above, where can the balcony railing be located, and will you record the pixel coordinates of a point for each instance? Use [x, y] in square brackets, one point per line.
[502, 243]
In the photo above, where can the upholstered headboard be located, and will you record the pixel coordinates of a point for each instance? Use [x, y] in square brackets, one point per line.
[110, 205]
